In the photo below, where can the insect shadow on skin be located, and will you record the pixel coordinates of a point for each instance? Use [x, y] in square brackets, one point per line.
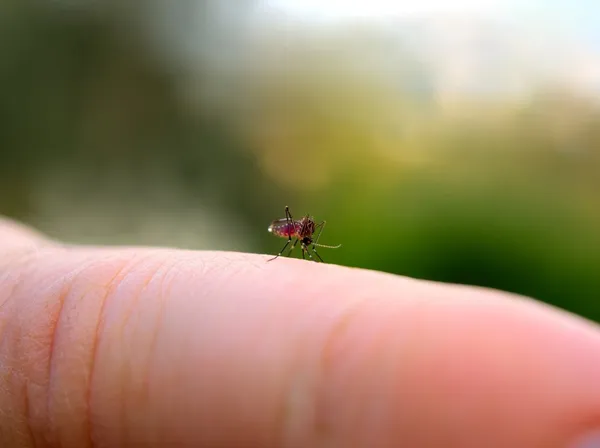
[302, 230]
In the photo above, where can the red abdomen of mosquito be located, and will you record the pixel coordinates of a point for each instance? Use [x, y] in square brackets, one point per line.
[283, 228]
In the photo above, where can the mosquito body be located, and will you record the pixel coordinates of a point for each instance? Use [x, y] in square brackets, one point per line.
[302, 230]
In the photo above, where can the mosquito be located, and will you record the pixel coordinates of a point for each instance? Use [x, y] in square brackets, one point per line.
[302, 230]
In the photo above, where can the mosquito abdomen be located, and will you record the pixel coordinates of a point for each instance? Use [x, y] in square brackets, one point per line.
[283, 228]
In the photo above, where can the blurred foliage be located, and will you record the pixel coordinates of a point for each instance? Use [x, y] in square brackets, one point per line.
[109, 134]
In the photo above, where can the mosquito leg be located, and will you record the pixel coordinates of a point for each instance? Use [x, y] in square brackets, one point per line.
[281, 251]
[319, 226]
[317, 254]
[303, 249]
[292, 248]
[290, 227]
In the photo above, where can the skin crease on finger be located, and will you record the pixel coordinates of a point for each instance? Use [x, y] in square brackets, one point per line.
[146, 347]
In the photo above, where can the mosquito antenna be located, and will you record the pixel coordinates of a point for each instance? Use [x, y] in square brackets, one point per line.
[328, 247]
[321, 226]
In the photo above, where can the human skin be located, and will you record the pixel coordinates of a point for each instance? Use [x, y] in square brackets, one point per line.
[124, 347]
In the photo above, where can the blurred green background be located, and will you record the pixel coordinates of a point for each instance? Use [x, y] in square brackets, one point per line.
[456, 141]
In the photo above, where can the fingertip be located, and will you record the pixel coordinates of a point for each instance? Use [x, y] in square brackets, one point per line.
[223, 348]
